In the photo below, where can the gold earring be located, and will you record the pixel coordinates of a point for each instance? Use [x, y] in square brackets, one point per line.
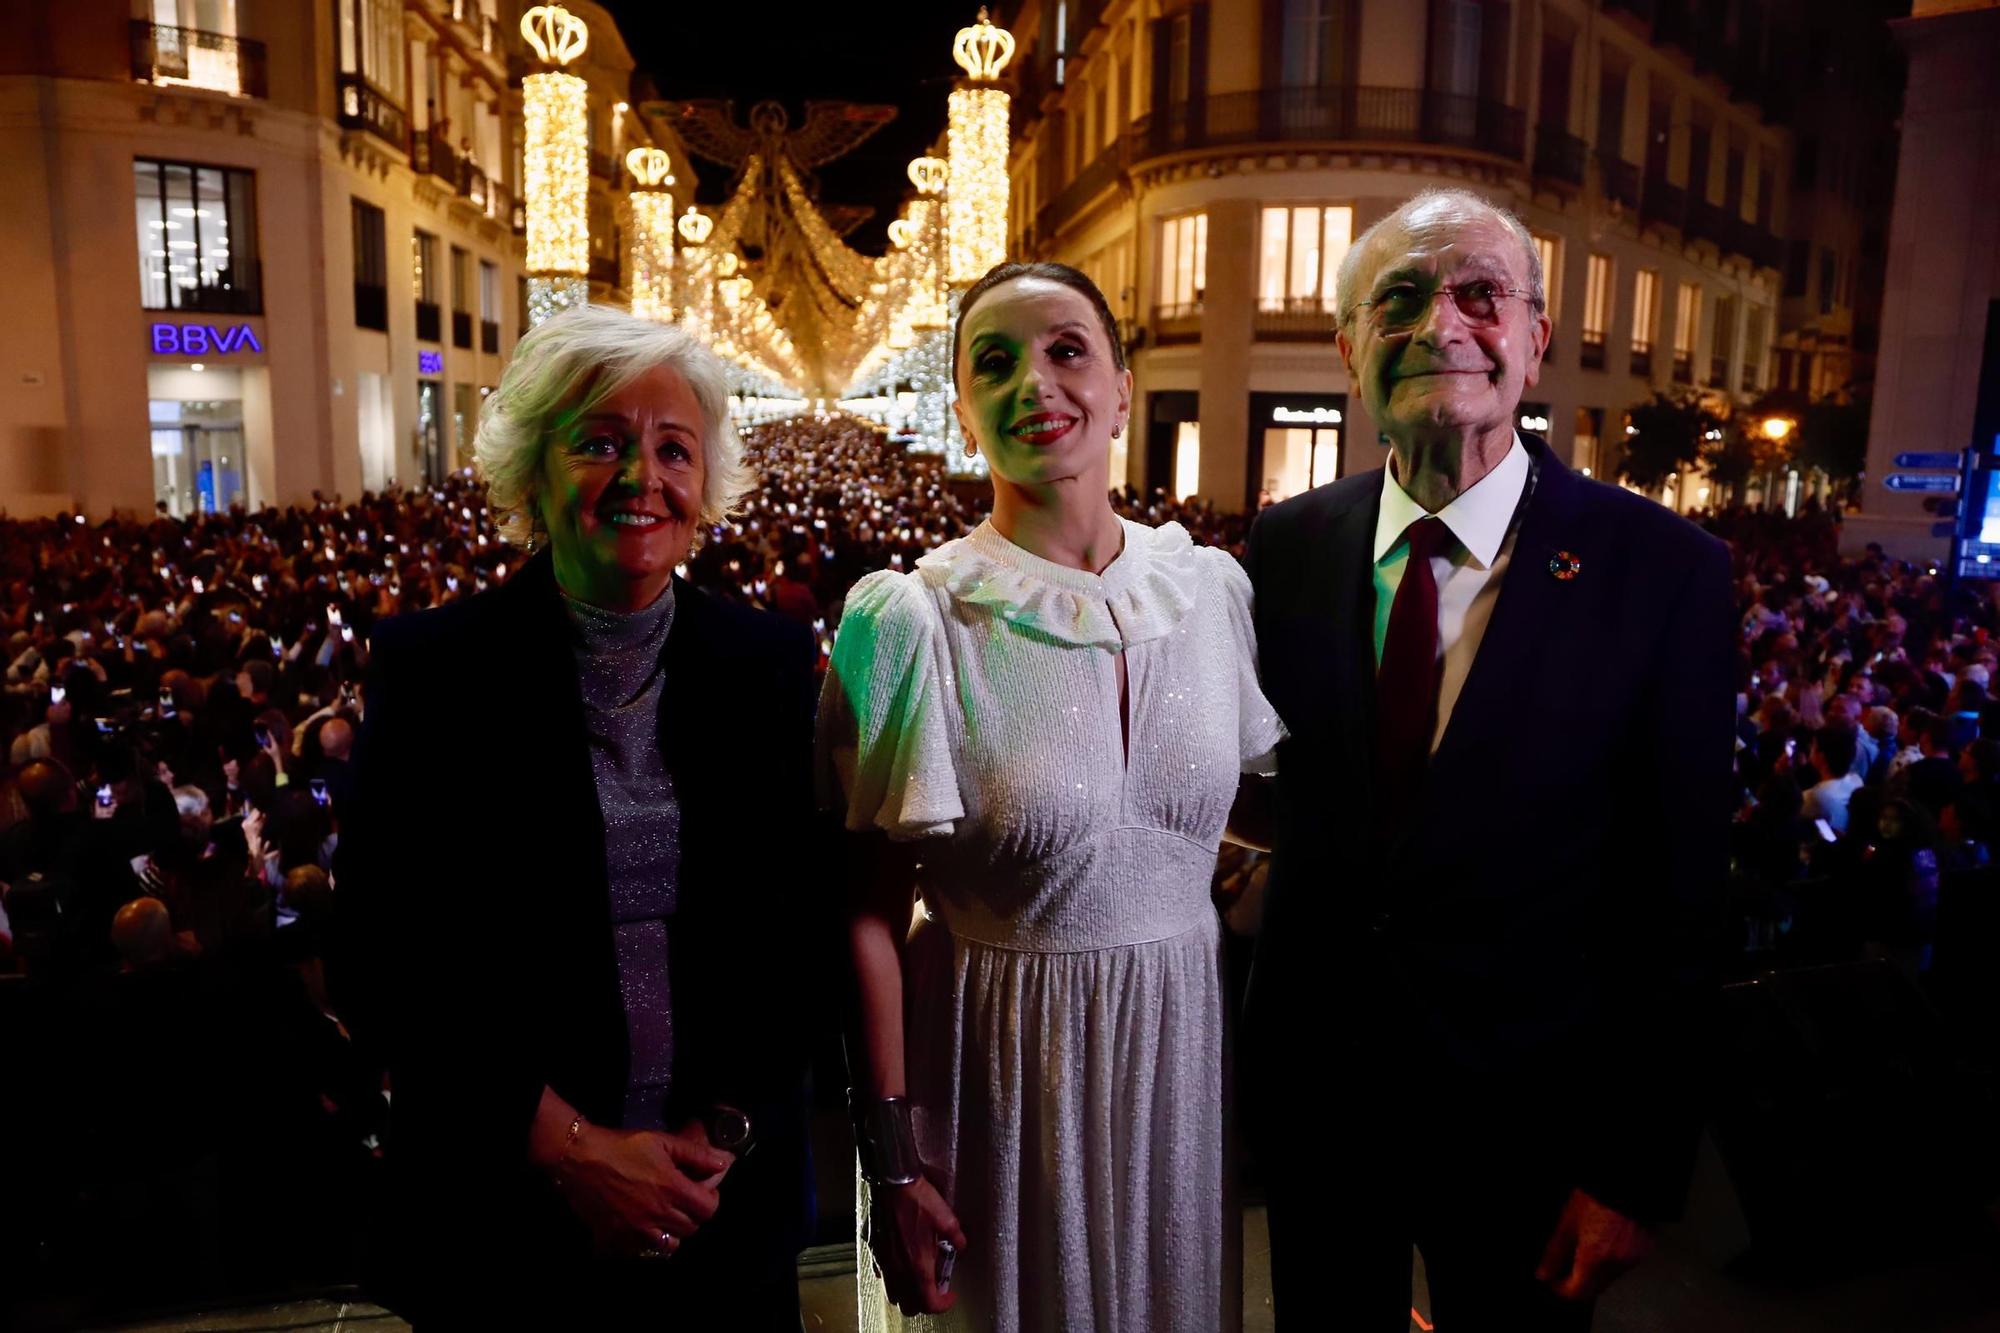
[971, 449]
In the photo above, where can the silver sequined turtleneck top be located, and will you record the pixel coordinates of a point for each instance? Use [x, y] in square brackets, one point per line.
[620, 662]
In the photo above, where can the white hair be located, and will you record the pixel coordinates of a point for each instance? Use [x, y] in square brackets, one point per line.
[569, 364]
[1430, 215]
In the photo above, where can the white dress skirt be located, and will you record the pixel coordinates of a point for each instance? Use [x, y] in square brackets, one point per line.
[1063, 988]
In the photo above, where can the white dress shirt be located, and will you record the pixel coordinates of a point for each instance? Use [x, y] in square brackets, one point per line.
[1468, 571]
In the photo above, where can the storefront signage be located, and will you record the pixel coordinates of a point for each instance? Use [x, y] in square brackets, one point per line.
[1312, 416]
[1534, 423]
[430, 363]
[203, 340]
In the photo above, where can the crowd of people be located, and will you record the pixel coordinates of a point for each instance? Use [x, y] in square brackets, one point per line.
[181, 699]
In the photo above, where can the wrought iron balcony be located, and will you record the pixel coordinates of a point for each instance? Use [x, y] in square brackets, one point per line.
[1560, 155]
[489, 336]
[430, 322]
[461, 329]
[1103, 172]
[1642, 359]
[1621, 179]
[433, 155]
[371, 306]
[1338, 114]
[192, 58]
[1177, 323]
[1590, 352]
[364, 107]
[1663, 201]
[1297, 319]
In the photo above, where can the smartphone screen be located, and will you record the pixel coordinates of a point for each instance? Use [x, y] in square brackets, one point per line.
[104, 796]
[1825, 830]
[57, 694]
[319, 795]
[262, 734]
[166, 703]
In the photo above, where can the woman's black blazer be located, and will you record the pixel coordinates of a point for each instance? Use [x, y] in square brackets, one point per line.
[474, 947]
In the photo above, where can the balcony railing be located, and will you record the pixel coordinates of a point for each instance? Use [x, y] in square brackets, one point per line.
[1621, 180]
[1718, 372]
[472, 184]
[192, 58]
[1560, 155]
[371, 306]
[1177, 323]
[1748, 384]
[1297, 319]
[1100, 175]
[1642, 360]
[489, 336]
[461, 329]
[432, 154]
[1663, 201]
[364, 107]
[1337, 113]
[1590, 352]
[430, 322]
[1683, 368]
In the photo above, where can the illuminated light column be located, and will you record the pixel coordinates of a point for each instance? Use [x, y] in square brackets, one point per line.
[649, 237]
[976, 142]
[691, 279]
[555, 156]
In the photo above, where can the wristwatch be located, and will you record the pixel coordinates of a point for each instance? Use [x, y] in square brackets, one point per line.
[730, 1130]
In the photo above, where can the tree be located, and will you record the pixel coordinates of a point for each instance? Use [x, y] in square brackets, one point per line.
[1833, 437]
[1668, 433]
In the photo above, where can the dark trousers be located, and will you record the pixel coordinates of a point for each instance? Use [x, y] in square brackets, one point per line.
[1474, 1187]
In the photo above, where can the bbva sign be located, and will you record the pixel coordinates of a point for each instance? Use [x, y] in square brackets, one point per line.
[203, 340]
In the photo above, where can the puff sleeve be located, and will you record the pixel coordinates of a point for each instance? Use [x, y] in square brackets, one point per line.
[884, 745]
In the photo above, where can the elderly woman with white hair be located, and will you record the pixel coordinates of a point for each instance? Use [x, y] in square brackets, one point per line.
[563, 921]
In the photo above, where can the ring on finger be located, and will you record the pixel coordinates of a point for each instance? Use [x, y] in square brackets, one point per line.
[660, 1248]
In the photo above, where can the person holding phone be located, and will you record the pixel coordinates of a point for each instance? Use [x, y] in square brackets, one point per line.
[1040, 733]
[587, 999]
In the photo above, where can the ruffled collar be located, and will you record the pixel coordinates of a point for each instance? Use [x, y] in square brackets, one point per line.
[1141, 595]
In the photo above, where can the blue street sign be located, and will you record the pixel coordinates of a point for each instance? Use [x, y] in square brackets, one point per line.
[1921, 481]
[1943, 529]
[1927, 460]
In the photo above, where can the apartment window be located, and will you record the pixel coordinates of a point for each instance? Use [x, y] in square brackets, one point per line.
[1753, 349]
[1455, 42]
[461, 298]
[1827, 265]
[1722, 344]
[1687, 317]
[1062, 38]
[1596, 310]
[1611, 112]
[1584, 442]
[1645, 319]
[371, 267]
[197, 234]
[424, 285]
[194, 43]
[1549, 250]
[489, 307]
[1299, 255]
[1314, 43]
[1180, 57]
[1183, 264]
[371, 46]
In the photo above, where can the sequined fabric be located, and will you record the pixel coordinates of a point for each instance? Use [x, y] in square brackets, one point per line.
[1064, 1026]
[619, 663]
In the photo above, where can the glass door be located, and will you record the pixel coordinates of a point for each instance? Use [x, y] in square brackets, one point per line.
[197, 450]
[430, 430]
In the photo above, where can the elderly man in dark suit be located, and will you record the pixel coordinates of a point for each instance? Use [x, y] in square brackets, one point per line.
[1501, 823]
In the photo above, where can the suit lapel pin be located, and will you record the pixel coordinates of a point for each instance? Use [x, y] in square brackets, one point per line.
[1565, 565]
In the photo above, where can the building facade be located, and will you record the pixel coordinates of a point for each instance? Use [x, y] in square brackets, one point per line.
[1937, 381]
[1209, 162]
[264, 248]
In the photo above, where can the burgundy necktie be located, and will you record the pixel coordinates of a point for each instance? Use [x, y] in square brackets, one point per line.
[1406, 690]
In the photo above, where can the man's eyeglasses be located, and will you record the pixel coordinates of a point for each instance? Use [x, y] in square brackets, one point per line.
[1400, 308]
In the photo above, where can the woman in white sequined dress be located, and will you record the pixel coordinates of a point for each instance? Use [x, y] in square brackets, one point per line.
[1039, 731]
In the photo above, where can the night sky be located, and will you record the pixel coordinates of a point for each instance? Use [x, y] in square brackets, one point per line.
[896, 53]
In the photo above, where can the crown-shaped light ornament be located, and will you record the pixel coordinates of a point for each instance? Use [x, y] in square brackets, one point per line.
[649, 167]
[928, 174]
[725, 264]
[901, 232]
[695, 226]
[983, 50]
[557, 35]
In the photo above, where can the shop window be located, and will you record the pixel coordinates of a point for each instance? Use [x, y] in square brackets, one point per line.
[197, 236]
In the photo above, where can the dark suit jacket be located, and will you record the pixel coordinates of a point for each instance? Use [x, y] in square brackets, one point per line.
[1539, 923]
[474, 943]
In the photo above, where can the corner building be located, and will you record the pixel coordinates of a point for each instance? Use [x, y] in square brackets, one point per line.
[262, 248]
[1208, 164]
